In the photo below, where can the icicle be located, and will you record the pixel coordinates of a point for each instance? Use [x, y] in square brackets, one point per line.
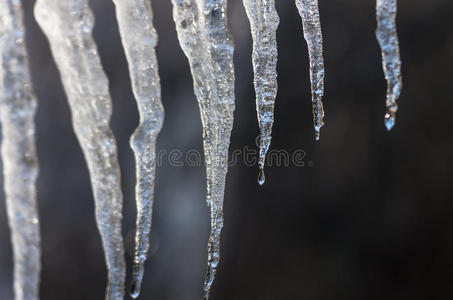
[388, 41]
[263, 23]
[20, 164]
[139, 39]
[309, 12]
[204, 38]
[68, 25]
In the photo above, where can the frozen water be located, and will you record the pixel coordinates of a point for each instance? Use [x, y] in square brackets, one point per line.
[203, 35]
[388, 40]
[309, 12]
[20, 165]
[68, 25]
[264, 21]
[139, 38]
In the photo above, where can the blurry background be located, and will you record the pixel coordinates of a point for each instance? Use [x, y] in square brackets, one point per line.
[369, 216]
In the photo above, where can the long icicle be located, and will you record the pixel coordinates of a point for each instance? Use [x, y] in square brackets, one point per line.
[139, 39]
[264, 22]
[68, 25]
[309, 12]
[20, 165]
[203, 35]
[387, 37]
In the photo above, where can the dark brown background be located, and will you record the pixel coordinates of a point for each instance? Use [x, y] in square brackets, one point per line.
[371, 218]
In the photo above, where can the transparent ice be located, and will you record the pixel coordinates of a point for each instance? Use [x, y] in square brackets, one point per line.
[139, 38]
[20, 165]
[203, 35]
[388, 40]
[264, 22]
[68, 25]
[309, 12]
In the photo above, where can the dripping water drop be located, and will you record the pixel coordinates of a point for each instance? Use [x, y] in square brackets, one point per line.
[261, 177]
[389, 121]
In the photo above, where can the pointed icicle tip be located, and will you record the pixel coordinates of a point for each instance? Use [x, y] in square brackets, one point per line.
[318, 132]
[317, 135]
[261, 177]
[137, 277]
[135, 289]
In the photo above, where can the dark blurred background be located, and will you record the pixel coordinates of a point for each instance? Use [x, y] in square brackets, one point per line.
[369, 215]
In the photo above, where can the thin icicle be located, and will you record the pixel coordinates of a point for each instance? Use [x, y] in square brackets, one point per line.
[20, 165]
[139, 39]
[264, 21]
[204, 38]
[309, 12]
[68, 25]
[388, 40]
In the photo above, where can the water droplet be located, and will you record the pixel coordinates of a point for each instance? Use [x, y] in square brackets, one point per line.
[389, 121]
[261, 177]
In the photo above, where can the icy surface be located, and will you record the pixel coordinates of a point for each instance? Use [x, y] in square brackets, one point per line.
[263, 23]
[139, 39]
[20, 166]
[309, 12]
[68, 25]
[203, 35]
[388, 40]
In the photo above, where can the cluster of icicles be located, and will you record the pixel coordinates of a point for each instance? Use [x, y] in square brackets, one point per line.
[203, 34]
